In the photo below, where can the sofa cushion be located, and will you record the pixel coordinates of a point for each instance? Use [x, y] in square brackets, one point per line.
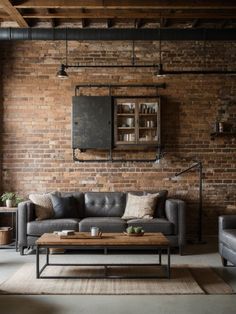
[104, 204]
[64, 207]
[153, 225]
[38, 228]
[160, 205]
[228, 237]
[140, 206]
[43, 205]
[106, 224]
[79, 199]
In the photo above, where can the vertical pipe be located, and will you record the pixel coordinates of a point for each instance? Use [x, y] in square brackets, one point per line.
[200, 204]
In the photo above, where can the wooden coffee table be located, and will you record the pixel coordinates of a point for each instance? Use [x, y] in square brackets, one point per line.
[155, 241]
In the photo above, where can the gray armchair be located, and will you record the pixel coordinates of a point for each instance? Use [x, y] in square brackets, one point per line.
[227, 239]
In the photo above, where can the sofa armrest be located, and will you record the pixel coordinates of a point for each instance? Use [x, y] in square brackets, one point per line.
[175, 213]
[26, 213]
[227, 222]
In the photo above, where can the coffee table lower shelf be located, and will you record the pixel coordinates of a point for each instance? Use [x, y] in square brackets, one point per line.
[166, 267]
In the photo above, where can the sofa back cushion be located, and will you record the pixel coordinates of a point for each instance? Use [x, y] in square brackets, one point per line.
[64, 207]
[78, 200]
[104, 204]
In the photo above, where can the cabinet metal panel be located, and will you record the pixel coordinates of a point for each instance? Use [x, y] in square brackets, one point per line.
[92, 122]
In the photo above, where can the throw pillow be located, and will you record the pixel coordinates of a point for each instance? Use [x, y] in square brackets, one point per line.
[140, 206]
[43, 205]
[160, 204]
[64, 207]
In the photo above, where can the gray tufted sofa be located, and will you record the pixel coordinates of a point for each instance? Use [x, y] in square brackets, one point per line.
[104, 210]
[227, 239]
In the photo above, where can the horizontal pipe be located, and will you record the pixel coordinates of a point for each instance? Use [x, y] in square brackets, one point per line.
[66, 66]
[157, 85]
[163, 73]
[113, 160]
[168, 34]
[228, 72]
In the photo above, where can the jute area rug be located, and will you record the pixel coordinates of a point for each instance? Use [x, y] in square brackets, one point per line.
[184, 280]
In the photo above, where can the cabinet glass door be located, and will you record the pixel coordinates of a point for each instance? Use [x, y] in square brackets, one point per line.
[137, 121]
[148, 122]
[125, 122]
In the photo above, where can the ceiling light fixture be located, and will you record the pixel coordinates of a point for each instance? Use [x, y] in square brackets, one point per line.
[160, 72]
[62, 73]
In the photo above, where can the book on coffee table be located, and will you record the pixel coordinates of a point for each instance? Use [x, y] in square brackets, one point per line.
[78, 235]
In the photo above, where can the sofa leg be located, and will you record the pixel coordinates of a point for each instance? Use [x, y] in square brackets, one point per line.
[224, 261]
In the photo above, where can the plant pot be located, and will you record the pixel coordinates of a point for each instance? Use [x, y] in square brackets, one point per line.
[9, 203]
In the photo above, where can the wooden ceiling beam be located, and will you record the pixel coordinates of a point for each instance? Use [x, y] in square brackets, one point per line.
[84, 21]
[158, 4]
[13, 13]
[53, 21]
[131, 15]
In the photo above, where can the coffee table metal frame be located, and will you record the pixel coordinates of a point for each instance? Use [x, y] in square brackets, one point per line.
[160, 249]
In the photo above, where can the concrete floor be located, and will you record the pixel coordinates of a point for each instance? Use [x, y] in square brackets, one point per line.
[206, 254]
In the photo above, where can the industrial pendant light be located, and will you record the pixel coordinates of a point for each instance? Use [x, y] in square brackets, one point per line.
[160, 72]
[62, 72]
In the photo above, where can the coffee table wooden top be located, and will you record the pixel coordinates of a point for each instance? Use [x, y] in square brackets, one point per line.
[107, 239]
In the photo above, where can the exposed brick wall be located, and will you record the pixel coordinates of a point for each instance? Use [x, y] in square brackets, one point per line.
[36, 122]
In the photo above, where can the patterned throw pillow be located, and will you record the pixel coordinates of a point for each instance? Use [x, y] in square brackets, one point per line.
[43, 205]
[140, 206]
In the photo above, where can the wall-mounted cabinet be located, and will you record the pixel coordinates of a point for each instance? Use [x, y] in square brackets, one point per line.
[105, 122]
[137, 122]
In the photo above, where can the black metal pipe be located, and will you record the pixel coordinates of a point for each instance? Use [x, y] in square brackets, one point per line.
[157, 85]
[111, 66]
[203, 72]
[168, 34]
[197, 164]
[113, 160]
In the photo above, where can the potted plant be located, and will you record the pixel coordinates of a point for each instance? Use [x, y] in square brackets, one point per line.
[8, 198]
[18, 199]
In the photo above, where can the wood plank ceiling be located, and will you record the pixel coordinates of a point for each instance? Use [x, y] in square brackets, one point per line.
[118, 13]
